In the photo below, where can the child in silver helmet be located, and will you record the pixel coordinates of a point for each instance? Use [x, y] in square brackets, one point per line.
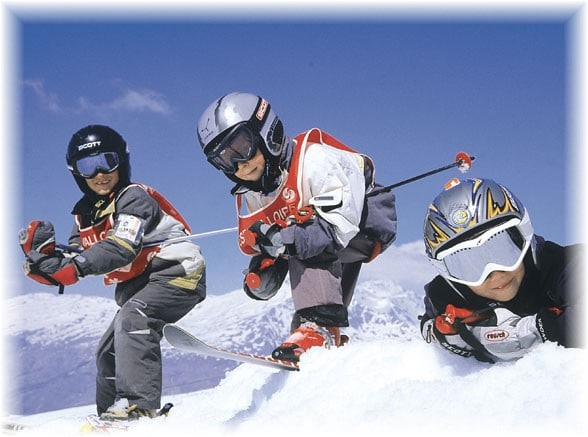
[502, 289]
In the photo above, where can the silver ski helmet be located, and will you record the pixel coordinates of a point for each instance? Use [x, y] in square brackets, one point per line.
[98, 144]
[474, 227]
[244, 111]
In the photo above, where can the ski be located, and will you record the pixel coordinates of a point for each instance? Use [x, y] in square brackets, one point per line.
[94, 423]
[182, 339]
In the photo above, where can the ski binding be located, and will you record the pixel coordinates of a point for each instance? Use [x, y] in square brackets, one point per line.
[94, 423]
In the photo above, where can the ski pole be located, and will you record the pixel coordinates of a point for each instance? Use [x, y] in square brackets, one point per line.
[192, 237]
[72, 249]
[463, 162]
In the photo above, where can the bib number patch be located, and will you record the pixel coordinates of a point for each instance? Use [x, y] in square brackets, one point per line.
[128, 227]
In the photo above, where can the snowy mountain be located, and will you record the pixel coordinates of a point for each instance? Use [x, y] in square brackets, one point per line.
[386, 381]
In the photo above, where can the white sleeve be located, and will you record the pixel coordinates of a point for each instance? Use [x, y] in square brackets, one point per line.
[510, 336]
[328, 169]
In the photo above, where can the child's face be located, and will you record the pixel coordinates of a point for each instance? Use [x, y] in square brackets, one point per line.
[103, 183]
[501, 286]
[251, 170]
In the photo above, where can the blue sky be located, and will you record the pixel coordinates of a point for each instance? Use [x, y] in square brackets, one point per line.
[410, 91]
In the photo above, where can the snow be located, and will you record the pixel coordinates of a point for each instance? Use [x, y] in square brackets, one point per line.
[386, 381]
[380, 387]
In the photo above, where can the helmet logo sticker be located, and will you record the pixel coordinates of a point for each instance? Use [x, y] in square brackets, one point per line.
[459, 217]
[205, 131]
[89, 145]
[262, 109]
[451, 183]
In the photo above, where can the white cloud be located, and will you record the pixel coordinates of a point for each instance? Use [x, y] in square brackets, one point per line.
[48, 101]
[144, 100]
[130, 100]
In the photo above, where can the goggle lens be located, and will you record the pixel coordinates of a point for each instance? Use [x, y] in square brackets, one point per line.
[238, 146]
[89, 166]
[471, 265]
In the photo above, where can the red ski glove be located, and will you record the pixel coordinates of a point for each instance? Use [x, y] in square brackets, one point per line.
[445, 323]
[39, 236]
[52, 269]
[451, 331]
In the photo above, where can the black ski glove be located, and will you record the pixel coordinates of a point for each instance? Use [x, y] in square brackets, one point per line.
[548, 325]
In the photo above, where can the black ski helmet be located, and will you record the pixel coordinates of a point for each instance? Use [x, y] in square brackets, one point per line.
[238, 108]
[94, 139]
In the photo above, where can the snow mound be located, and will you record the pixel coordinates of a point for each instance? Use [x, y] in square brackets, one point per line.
[378, 387]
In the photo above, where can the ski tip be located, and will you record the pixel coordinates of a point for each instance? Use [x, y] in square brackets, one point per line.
[12, 427]
[170, 329]
[86, 428]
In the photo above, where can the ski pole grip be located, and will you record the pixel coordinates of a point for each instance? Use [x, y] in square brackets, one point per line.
[463, 161]
[253, 279]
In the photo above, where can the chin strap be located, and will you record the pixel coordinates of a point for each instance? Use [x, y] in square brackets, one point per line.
[271, 175]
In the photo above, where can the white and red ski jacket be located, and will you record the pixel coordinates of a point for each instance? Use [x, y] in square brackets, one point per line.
[320, 164]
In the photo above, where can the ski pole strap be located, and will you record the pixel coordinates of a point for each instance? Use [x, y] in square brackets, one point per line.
[60, 286]
[480, 352]
[49, 279]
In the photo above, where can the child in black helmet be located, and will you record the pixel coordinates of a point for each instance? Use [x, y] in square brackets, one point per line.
[502, 289]
[116, 224]
[303, 209]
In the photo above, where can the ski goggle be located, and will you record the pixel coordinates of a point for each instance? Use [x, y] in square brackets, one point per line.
[89, 166]
[239, 145]
[470, 262]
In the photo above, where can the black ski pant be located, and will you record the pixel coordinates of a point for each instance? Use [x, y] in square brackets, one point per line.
[128, 357]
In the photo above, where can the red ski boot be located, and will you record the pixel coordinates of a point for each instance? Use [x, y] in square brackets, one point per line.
[304, 337]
